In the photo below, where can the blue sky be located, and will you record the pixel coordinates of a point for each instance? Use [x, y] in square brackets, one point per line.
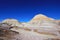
[25, 10]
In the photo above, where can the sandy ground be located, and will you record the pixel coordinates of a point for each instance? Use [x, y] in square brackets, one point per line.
[30, 35]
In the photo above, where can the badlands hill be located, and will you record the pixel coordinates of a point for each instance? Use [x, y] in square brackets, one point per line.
[12, 22]
[40, 17]
[40, 27]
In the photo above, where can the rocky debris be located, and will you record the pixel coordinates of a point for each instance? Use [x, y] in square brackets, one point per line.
[6, 33]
